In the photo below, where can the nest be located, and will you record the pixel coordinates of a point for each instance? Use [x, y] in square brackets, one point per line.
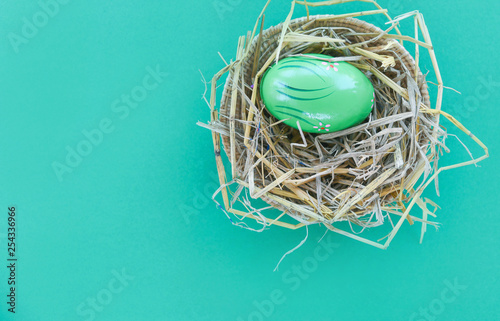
[363, 174]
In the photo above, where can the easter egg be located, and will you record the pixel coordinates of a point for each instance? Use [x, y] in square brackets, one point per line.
[323, 96]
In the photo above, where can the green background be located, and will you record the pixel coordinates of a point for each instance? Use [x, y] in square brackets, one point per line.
[138, 203]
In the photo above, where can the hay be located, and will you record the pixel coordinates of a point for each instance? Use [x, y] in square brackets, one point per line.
[363, 174]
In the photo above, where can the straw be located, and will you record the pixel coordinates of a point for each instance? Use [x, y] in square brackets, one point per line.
[364, 174]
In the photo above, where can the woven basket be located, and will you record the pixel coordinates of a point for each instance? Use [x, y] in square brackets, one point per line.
[270, 40]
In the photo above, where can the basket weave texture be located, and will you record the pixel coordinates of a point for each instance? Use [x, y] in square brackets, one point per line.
[269, 43]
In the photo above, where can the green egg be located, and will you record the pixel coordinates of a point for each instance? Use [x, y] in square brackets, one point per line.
[323, 96]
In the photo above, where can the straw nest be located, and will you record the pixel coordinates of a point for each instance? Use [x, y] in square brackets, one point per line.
[363, 174]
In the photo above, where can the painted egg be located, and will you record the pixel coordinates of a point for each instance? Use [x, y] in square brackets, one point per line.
[323, 96]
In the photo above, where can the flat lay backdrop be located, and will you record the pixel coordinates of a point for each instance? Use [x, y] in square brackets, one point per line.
[111, 178]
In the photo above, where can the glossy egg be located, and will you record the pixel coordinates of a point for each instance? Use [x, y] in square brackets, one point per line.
[323, 96]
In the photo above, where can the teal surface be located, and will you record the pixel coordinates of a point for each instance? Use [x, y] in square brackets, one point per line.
[126, 232]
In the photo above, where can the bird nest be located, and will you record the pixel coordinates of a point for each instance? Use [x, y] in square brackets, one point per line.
[364, 174]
